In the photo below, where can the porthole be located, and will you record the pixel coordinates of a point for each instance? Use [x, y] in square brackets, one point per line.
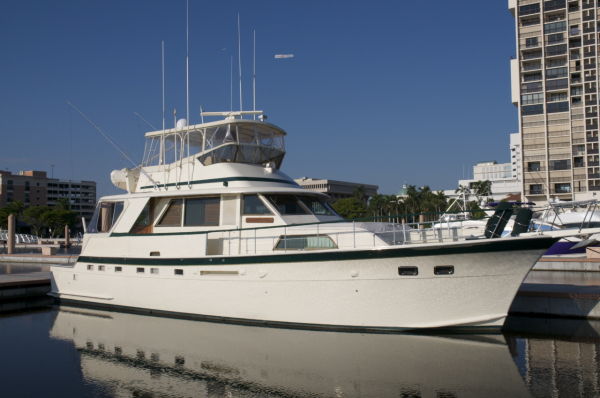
[408, 271]
[443, 270]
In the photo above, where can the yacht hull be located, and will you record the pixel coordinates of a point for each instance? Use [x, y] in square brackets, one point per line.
[360, 290]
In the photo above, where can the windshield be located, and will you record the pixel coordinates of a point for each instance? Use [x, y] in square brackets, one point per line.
[318, 207]
[300, 205]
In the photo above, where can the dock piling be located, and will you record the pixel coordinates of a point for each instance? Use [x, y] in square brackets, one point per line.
[10, 240]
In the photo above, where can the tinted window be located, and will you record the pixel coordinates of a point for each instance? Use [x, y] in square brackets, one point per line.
[286, 204]
[557, 84]
[532, 110]
[143, 224]
[105, 216]
[318, 207]
[558, 107]
[254, 205]
[202, 211]
[172, 217]
[529, 9]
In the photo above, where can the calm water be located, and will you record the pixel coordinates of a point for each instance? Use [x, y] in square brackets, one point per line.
[77, 352]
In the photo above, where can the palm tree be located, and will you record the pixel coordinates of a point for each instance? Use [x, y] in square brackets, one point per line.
[482, 189]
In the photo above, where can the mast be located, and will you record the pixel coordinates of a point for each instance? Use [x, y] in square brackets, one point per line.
[187, 63]
[254, 72]
[162, 138]
[240, 61]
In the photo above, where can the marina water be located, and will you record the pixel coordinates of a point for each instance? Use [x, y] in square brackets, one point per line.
[60, 351]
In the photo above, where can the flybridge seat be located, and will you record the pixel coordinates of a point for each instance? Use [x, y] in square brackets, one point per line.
[225, 141]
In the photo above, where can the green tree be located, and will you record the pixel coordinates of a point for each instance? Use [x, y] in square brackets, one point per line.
[350, 208]
[482, 189]
[35, 216]
[15, 208]
[360, 195]
[57, 218]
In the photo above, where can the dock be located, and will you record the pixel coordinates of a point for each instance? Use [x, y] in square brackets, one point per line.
[22, 291]
[32, 258]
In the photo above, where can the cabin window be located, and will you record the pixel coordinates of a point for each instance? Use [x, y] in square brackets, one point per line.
[287, 205]
[143, 224]
[154, 271]
[118, 269]
[305, 242]
[172, 216]
[105, 216]
[318, 207]
[178, 271]
[140, 270]
[202, 211]
[90, 267]
[253, 205]
[101, 268]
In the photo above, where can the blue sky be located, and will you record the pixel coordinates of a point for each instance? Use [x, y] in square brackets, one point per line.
[381, 92]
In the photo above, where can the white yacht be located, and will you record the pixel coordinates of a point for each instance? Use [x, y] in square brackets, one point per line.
[211, 228]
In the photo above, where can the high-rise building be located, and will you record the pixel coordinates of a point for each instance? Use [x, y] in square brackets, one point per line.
[555, 86]
[34, 188]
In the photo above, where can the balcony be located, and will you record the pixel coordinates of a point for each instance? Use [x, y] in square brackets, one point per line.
[592, 151]
[595, 163]
[594, 176]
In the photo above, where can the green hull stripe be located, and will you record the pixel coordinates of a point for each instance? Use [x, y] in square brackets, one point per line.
[492, 245]
[227, 179]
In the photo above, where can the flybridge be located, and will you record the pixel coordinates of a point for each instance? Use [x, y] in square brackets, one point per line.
[230, 140]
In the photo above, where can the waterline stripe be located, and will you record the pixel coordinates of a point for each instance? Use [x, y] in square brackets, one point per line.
[226, 179]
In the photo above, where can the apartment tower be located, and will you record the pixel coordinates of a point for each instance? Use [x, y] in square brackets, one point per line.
[555, 86]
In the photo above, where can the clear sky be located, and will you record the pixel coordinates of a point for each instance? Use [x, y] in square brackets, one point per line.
[380, 92]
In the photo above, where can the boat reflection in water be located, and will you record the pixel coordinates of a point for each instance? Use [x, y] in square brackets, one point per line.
[138, 355]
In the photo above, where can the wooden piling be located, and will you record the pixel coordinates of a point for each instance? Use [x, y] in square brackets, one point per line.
[67, 238]
[11, 234]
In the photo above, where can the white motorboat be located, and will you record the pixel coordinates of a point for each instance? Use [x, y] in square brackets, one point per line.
[211, 228]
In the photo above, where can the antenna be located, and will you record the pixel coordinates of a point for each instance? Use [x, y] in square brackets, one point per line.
[83, 115]
[187, 62]
[240, 60]
[144, 120]
[254, 72]
[201, 115]
[162, 138]
[231, 84]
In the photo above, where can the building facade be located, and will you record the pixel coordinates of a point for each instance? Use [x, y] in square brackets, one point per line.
[336, 189]
[506, 178]
[34, 188]
[555, 87]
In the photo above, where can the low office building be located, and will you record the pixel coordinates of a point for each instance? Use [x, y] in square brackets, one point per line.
[34, 188]
[336, 189]
[506, 178]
